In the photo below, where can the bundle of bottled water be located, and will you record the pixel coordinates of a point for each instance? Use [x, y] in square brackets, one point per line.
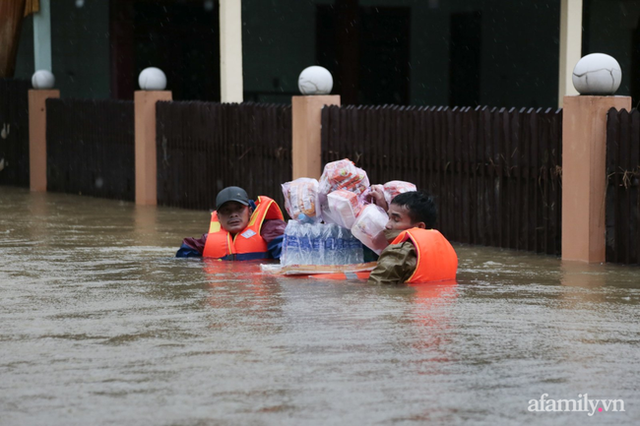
[319, 244]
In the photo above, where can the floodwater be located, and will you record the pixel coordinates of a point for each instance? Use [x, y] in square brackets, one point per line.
[101, 325]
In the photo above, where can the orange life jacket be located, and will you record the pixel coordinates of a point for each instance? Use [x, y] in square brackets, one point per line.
[436, 258]
[247, 244]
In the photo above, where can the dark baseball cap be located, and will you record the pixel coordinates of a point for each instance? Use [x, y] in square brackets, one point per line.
[232, 193]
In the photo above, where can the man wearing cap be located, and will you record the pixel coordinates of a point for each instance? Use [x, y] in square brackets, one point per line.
[240, 229]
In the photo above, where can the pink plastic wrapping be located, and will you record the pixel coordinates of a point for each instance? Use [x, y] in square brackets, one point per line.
[395, 187]
[343, 174]
[369, 227]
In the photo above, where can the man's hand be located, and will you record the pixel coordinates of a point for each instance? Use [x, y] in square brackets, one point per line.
[376, 194]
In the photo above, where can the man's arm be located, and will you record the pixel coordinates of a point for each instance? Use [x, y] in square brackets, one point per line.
[396, 264]
[272, 232]
[192, 247]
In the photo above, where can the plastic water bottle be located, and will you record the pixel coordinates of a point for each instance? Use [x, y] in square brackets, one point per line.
[302, 218]
[291, 244]
[348, 245]
[341, 252]
[348, 256]
[306, 246]
[356, 250]
[329, 236]
[317, 246]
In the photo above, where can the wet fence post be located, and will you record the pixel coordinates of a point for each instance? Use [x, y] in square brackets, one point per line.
[145, 144]
[584, 180]
[306, 118]
[38, 137]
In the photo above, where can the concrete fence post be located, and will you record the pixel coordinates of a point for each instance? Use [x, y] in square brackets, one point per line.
[306, 117]
[584, 180]
[38, 138]
[145, 144]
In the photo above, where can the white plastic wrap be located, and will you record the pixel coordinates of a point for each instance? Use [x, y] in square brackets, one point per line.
[395, 187]
[369, 227]
[325, 211]
[301, 199]
[345, 207]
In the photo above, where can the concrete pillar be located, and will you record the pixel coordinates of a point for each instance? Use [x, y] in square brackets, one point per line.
[306, 116]
[38, 138]
[583, 275]
[145, 141]
[584, 180]
[231, 87]
[42, 37]
[570, 46]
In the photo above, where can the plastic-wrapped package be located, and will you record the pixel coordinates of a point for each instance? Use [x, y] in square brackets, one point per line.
[301, 199]
[343, 174]
[319, 244]
[345, 207]
[369, 227]
[324, 211]
[395, 187]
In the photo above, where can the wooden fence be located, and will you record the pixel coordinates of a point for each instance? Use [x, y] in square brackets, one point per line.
[14, 132]
[203, 147]
[623, 191]
[90, 148]
[495, 173]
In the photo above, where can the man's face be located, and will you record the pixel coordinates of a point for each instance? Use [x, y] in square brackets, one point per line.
[399, 219]
[233, 216]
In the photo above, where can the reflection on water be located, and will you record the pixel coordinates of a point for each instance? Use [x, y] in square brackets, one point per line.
[100, 324]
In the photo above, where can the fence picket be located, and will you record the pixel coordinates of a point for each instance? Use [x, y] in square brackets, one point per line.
[475, 162]
[90, 147]
[215, 145]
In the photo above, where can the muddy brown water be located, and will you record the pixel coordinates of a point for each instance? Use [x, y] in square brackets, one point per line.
[101, 325]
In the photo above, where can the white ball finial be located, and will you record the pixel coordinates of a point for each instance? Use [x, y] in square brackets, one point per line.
[597, 74]
[315, 80]
[152, 78]
[43, 80]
